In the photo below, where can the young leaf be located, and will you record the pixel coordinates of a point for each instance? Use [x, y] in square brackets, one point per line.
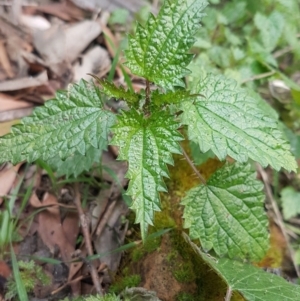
[147, 145]
[227, 213]
[229, 122]
[271, 28]
[251, 282]
[74, 121]
[170, 97]
[118, 92]
[290, 202]
[76, 163]
[158, 52]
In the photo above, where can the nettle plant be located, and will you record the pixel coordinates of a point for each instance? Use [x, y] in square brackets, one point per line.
[225, 212]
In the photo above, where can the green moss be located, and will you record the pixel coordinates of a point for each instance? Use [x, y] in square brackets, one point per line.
[137, 254]
[152, 245]
[127, 281]
[209, 286]
[163, 219]
[171, 256]
[31, 276]
[183, 296]
[184, 273]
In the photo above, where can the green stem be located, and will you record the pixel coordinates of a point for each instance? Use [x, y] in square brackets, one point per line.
[147, 99]
[188, 159]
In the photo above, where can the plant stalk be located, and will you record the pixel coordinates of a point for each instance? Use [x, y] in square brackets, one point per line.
[188, 159]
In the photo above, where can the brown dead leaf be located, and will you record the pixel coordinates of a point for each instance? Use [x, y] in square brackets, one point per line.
[26, 82]
[5, 272]
[66, 10]
[8, 103]
[50, 44]
[35, 22]
[4, 60]
[79, 36]
[95, 61]
[131, 5]
[36, 203]
[7, 179]
[17, 40]
[15, 114]
[10, 31]
[59, 44]
[71, 227]
[51, 230]
[5, 126]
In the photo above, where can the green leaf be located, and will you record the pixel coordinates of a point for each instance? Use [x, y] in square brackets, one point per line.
[199, 157]
[147, 145]
[251, 282]
[19, 284]
[221, 56]
[229, 122]
[227, 213]
[76, 163]
[73, 122]
[270, 28]
[118, 92]
[158, 51]
[290, 202]
[170, 97]
[235, 11]
[119, 16]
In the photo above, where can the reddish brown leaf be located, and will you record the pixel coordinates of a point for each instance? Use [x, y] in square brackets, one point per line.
[51, 230]
[7, 179]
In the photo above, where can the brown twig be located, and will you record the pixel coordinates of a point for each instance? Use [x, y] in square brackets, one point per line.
[87, 238]
[105, 218]
[147, 98]
[193, 166]
[101, 268]
[278, 216]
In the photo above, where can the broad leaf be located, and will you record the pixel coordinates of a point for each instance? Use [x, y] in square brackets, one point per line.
[118, 92]
[290, 202]
[229, 122]
[270, 27]
[251, 282]
[199, 157]
[76, 163]
[227, 213]
[73, 122]
[147, 145]
[158, 52]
